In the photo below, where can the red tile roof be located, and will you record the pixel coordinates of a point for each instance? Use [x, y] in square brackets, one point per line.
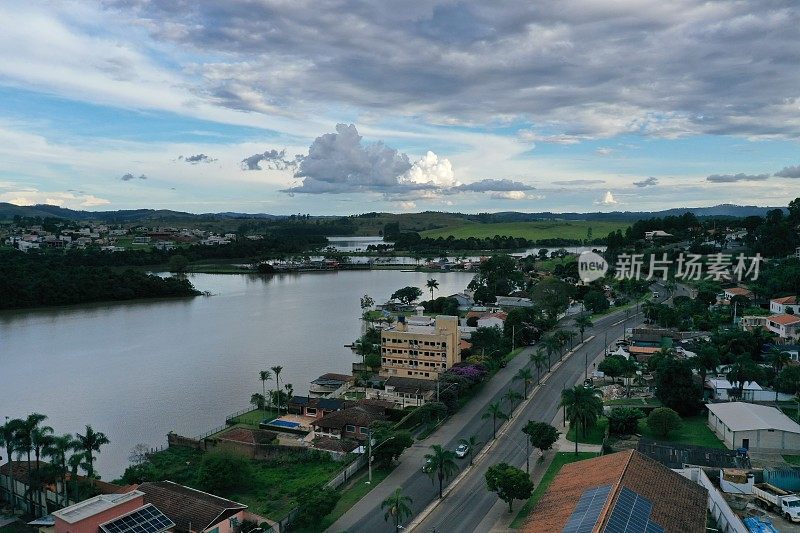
[786, 300]
[679, 505]
[784, 320]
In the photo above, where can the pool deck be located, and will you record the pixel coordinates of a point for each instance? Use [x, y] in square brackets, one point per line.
[303, 422]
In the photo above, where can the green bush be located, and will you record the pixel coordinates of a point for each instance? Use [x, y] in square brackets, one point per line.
[664, 420]
[624, 420]
[222, 471]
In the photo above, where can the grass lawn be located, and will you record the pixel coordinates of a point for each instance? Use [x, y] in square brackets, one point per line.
[560, 459]
[694, 431]
[254, 417]
[593, 436]
[792, 459]
[540, 229]
[352, 492]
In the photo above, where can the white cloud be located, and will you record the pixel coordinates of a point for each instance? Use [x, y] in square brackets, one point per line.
[607, 199]
[431, 169]
[62, 199]
[509, 195]
[406, 205]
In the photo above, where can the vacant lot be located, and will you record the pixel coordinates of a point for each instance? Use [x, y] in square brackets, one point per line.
[542, 229]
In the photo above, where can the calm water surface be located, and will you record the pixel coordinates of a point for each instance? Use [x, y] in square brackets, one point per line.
[138, 370]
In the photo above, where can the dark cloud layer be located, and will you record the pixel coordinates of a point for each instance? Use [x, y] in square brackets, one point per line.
[731, 178]
[129, 177]
[648, 182]
[586, 70]
[789, 172]
[195, 159]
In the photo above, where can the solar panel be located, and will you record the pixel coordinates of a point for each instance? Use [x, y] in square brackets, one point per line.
[584, 517]
[147, 519]
[631, 514]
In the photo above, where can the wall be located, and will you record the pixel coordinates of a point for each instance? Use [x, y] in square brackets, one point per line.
[726, 519]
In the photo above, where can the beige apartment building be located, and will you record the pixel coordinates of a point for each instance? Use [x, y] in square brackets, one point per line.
[420, 351]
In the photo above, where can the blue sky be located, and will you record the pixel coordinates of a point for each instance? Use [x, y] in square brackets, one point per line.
[336, 107]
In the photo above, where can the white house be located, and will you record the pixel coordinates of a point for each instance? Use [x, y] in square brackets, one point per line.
[513, 301]
[752, 426]
[787, 327]
[722, 389]
[492, 320]
[650, 235]
[787, 304]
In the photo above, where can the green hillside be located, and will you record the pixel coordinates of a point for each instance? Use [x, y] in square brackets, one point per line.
[543, 229]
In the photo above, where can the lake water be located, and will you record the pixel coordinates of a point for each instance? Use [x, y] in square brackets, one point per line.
[138, 370]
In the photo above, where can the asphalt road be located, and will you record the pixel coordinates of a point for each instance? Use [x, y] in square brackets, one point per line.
[469, 502]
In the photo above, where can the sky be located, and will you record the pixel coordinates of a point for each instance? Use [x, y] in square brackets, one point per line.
[341, 106]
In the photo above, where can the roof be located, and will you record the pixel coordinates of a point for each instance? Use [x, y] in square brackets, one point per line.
[784, 320]
[676, 504]
[738, 291]
[184, 505]
[335, 445]
[643, 349]
[360, 415]
[742, 416]
[501, 315]
[145, 519]
[410, 384]
[786, 300]
[328, 404]
[19, 469]
[725, 384]
[332, 379]
[92, 506]
[464, 345]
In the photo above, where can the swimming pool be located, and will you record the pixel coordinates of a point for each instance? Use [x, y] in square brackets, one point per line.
[281, 423]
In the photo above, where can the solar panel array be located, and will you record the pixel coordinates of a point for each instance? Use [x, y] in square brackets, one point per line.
[147, 519]
[631, 514]
[587, 511]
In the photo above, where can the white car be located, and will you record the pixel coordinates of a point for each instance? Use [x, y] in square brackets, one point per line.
[462, 451]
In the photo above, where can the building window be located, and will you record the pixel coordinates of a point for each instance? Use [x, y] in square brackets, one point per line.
[350, 428]
[363, 430]
[311, 411]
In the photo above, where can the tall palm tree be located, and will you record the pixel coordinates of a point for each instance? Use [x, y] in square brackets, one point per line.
[41, 437]
[8, 439]
[289, 394]
[277, 371]
[471, 443]
[551, 345]
[257, 400]
[583, 321]
[432, 285]
[88, 444]
[511, 396]
[538, 359]
[526, 376]
[443, 464]
[398, 506]
[57, 451]
[583, 407]
[75, 461]
[24, 444]
[264, 376]
[495, 412]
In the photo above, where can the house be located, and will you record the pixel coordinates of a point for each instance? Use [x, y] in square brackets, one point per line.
[751, 322]
[315, 407]
[117, 513]
[193, 511]
[723, 390]
[728, 294]
[657, 234]
[329, 383]
[785, 305]
[513, 301]
[493, 320]
[409, 391]
[624, 491]
[787, 327]
[350, 423]
[464, 300]
[754, 427]
[421, 352]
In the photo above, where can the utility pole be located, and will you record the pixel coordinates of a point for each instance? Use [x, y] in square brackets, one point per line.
[585, 365]
[513, 336]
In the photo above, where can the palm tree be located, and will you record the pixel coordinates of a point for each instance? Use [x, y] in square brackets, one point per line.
[398, 506]
[442, 463]
[583, 321]
[432, 285]
[89, 443]
[277, 371]
[471, 443]
[57, 451]
[41, 437]
[257, 400]
[583, 407]
[24, 444]
[551, 345]
[495, 412]
[526, 376]
[8, 439]
[264, 376]
[76, 460]
[511, 396]
[289, 394]
[538, 358]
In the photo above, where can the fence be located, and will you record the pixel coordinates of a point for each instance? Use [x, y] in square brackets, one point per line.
[348, 471]
[726, 519]
[785, 478]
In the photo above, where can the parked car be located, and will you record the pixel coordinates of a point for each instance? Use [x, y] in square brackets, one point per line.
[462, 450]
[428, 466]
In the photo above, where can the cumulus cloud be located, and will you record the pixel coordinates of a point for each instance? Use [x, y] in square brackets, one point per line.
[272, 159]
[607, 199]
[129, 177]
[648, 182]
[508, 195]
[603, 151]
[485, 185]
[195, 159]
[72, 200]
[431, 169]
[578, 183]
[731, 178]
[789, 172]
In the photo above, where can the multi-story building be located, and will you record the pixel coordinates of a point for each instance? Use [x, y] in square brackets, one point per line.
[787, 327]
[787, 304]
[420, 351]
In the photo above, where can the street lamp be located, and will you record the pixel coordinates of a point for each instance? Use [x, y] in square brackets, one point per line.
[369, 453]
